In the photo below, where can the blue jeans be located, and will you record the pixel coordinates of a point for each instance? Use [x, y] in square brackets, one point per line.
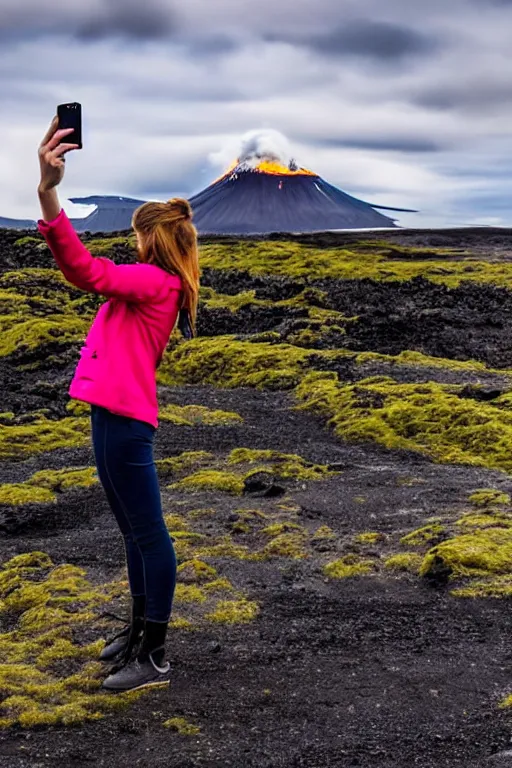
[123, 448]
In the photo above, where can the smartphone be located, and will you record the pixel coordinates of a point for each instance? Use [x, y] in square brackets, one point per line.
[70, 116]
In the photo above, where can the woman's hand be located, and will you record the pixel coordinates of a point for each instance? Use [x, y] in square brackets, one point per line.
[51, 156]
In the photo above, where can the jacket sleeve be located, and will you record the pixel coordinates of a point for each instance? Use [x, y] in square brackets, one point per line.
[130, 282]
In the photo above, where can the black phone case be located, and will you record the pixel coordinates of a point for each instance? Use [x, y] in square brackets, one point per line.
[70, 116]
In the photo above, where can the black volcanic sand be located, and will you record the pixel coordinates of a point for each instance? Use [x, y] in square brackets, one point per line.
[379, 671]
[365, 672]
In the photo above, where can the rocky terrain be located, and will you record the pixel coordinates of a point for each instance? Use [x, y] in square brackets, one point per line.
[334, 454]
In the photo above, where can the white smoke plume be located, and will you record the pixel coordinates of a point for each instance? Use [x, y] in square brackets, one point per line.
[253, 147]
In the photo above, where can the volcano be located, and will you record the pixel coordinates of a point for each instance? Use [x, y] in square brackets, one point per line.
[267, 196]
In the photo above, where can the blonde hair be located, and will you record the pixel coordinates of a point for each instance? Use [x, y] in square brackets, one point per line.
[168, 239]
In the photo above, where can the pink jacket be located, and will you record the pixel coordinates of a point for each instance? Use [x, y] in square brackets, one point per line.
[117, 368]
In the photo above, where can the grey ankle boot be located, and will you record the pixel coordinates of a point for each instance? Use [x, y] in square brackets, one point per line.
[130, 636]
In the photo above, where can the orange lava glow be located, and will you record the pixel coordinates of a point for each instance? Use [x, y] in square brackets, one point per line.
[267, 166]
[277, 169]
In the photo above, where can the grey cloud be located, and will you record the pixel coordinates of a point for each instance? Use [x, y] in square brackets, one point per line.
[378, 40]
[469, 95]
[410, 144]
[213, 45]
[130, 19]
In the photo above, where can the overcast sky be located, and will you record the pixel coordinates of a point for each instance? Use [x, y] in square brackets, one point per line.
[400, 103]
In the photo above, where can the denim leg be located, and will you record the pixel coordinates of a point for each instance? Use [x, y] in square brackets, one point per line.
[131, 473]
[134, 562]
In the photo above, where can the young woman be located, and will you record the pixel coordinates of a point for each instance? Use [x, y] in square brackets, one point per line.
[116, 374]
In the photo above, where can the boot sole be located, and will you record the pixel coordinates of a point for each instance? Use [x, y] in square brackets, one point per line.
[154, 684]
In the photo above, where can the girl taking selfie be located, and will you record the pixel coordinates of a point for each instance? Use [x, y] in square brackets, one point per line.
[116, 375]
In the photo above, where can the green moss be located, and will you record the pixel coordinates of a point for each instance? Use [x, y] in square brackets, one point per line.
[480, 553]
[289, 545]
[347, 567]
[42, 435]
[182, 726]
[199, 514]
[286, 465]
[324, 533]
[43, 603]
[28, 560]
[175, 522]
[64, 479]
[41, 487]
[29, 240]
[234, 611]
[77, 408]
[224, 547]
[276, 529]
[240, 527]
[183, 462]
[430, 418]
[376, 261]
[488, 497]
[189, 593]
[196, 570]
[223, 361]
[179, 622]
[36, 333]
[20, 493]
[369, 537]
[485, 521]
[233, 303]
[192, 415]
[499, 586]
[404, 561]
[100, 246]
[423, 535]
[218, 585]
[211, 480]
[418, 359]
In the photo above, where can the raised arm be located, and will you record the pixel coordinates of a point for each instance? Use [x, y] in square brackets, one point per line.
[131, 282]
[135, 282]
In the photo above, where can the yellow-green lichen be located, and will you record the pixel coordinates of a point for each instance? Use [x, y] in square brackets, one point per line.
[211, 480]
[485, 521]
[498, 586]
[404, 561]
[423, 535]
[290, 545]
[276, 529]
[175, 522]
[224, 361]
[347, 567]
[489, 497]
[43, 603]
[234, 611]
[37, 332]
[189, 593]
[324, 533]
[369, 537]
[183, 462]
[376, 261]
[480, 553]
[18, 441]
[192, 415]
[182, 726]
[20, 493]
[64, 479]
[286, 465]
[429, 418]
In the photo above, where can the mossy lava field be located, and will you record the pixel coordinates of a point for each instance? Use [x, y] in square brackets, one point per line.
[335, 458]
